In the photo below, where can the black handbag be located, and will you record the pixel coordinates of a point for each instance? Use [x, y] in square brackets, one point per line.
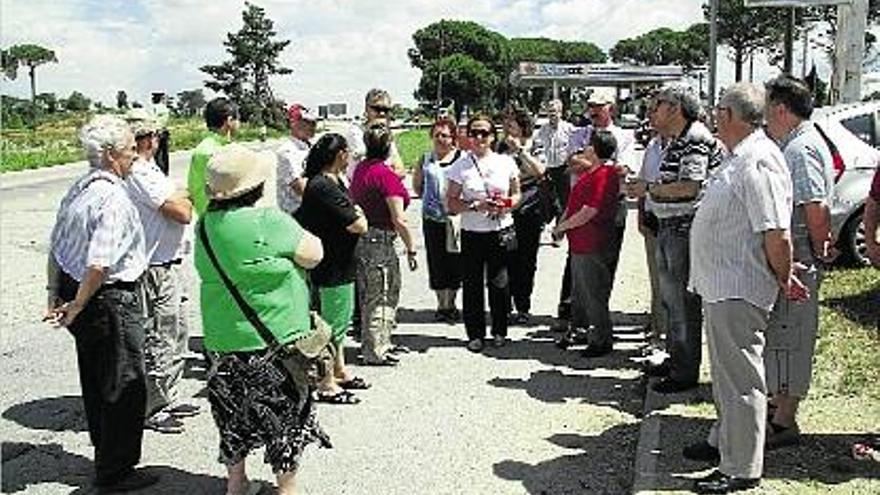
[539, 200]
[310, 347]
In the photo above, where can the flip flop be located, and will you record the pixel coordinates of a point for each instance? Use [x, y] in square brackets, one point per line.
[356, 383]
[341, 397]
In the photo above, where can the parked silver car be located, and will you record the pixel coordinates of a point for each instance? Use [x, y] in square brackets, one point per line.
[852, 132]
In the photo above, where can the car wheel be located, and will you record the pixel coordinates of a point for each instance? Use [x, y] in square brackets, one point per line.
[854, 251]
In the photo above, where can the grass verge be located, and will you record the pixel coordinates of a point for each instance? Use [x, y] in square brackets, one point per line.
[412, 144]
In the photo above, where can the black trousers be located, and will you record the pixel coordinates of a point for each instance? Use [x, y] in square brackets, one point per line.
[560, 179]
[162, 151]
[109, 334]
[523, 262]
[444, 268]
[484, 261]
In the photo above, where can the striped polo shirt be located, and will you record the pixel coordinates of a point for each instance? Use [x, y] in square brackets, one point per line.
[98, 225]
[749, 194]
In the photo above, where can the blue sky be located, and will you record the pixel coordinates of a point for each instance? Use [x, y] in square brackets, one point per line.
[339, 49]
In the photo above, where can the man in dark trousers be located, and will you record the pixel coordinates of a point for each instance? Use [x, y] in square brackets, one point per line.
[161, 113]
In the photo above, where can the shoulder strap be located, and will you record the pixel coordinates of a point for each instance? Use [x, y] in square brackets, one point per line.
[245, 308]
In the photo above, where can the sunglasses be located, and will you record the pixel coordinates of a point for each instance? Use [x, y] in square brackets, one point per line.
[380, 109]
[481, 133]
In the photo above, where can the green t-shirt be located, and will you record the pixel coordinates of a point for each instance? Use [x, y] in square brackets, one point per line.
[197, 179]
[255, 247]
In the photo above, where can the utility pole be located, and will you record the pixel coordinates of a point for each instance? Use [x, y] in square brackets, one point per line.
[713, 51]
[849, 48]
[440, 73]
[806, 52]
[788, 64]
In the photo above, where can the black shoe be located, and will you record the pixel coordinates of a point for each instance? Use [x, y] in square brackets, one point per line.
[521, 318]
[670, 386]
[703, 452]
[594, 351]
[718, 482]
[135, 480]
[659, 370]
[559, 326]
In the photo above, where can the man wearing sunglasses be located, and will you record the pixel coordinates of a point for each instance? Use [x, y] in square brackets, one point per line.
[377, 105]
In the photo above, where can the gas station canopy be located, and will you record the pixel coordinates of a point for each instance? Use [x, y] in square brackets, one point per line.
[531, 74]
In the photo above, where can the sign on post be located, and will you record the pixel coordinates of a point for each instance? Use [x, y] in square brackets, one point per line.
[794, 3]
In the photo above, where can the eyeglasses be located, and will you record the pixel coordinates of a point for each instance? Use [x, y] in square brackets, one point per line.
[380, 108]
[480, 133]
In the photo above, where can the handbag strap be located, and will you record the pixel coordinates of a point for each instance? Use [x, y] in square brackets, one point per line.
[245, 308]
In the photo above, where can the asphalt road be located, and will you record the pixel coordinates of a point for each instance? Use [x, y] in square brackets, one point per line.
[527, 418]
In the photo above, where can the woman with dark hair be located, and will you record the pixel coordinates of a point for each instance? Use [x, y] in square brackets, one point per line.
[429, 182]
[529, 215]
[383, 197]
[259, 397]
[328, 212]
[484, 187]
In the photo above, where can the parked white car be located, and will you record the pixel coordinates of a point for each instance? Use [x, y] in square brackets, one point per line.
[852, 132]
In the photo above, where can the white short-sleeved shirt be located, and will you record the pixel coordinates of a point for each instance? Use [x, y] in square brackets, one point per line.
[149, 188]
[479, 178]
[291, 164]
[749, 194]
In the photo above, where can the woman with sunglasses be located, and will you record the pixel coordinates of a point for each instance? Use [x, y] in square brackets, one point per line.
[528, 217]
[429, 182]
[484, 186]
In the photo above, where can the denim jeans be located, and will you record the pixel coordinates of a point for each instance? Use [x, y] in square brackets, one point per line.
[684, 317]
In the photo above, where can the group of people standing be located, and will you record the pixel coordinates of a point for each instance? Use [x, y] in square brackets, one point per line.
[736, 228]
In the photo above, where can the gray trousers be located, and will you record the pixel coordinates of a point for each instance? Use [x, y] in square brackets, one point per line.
[791, 340]
[735, 334]
[378, 292]
[166, 336]
[658, 313]
[590, 290]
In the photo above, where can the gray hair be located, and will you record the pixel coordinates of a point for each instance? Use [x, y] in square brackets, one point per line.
[746, 101]
[103, 133]
[376, 94]
[554, 104]
[683, 97]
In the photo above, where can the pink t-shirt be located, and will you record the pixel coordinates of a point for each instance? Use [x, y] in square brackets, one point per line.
[371, 184]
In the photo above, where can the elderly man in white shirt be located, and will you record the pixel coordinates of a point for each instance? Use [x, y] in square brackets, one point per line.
[377, 105]
[553, 137]
[740, 257]
[164, 210]
[292, 154]
[95, 264]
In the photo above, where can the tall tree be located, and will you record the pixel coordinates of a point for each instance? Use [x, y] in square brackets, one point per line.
[30, 56]
[747, 30]
[465, 80]
[245, 77]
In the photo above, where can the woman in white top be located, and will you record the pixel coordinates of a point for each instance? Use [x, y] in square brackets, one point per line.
[484, 187]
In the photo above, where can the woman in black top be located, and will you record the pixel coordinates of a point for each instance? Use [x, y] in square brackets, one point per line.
[328, 212]
[528, 217]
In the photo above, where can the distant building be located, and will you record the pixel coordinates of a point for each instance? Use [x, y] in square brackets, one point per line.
[332, 110]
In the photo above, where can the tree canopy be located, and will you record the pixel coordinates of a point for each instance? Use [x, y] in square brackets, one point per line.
[665, 46]
[245, 77]
[747, 30]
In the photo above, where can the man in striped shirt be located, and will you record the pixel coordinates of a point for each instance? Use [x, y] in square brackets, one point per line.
[740, 258]
[95, 263]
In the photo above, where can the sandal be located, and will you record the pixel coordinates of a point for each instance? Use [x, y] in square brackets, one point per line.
[356, 383]
[341, 397]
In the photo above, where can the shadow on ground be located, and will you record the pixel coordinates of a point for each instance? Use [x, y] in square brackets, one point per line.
[599, 465]
[820, 458]
[26, 466]
[63, 413]
[863, 308]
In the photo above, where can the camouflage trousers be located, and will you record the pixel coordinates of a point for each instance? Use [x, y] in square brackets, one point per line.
[378, 292]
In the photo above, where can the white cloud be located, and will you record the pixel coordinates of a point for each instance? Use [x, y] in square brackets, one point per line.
[338, 50]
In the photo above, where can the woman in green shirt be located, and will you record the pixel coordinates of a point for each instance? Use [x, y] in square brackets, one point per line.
[264, 252]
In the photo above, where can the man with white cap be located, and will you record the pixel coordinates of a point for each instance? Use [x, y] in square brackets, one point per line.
[292, 156]
[164, 211]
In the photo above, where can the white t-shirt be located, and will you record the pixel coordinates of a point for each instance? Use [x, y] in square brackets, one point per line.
[291, 164]
[491, 174]
[148, 189]
[357, 150]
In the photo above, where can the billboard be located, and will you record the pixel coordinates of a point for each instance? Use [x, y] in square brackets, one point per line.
[794, 3]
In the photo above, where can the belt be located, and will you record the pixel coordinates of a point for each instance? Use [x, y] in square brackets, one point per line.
[676, 221]
[168, 264]
[379, 235]
[120, 285]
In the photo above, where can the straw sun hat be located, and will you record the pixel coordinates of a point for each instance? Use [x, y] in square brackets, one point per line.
[235, 170]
